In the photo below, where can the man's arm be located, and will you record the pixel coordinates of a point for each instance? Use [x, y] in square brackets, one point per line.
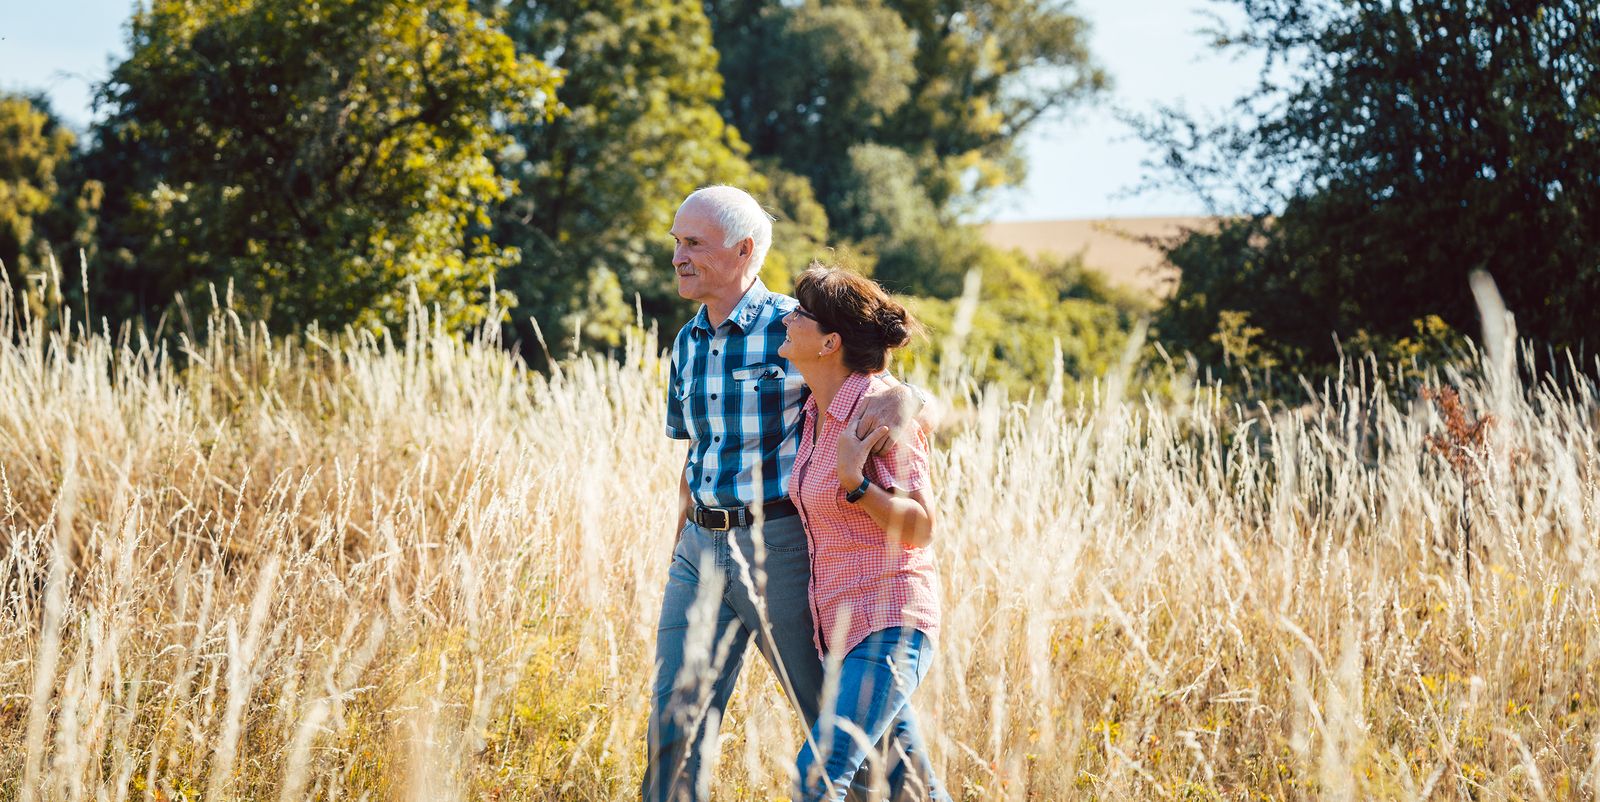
[685, 501]
[895, 407]
[678, 429]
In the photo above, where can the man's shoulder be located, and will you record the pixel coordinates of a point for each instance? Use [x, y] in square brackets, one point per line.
[765, 317]
[782, 305]
[683, 341]
[778, 306]
[696, 320]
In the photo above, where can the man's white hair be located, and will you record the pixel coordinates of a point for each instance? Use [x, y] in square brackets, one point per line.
[740, 216]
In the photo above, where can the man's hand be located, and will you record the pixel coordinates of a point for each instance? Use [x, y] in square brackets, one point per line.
[891, 408]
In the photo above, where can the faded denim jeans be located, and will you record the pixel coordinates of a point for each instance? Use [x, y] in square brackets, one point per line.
[700, 649]
[871, 702]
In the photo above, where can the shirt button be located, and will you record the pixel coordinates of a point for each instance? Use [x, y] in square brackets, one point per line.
[717, 439]
[713, 352]
[713, 396]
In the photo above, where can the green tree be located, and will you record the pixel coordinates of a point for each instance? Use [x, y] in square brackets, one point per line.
[1393, 148]
[808, 83]
[327, 159]
[34, 148]
[46, 207]
[598, 187]
[901, 113]
[986, 72]
[800, 232]
[881, 203]
[1028, 308]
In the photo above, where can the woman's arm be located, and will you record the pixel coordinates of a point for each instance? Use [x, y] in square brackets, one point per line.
[907, 518]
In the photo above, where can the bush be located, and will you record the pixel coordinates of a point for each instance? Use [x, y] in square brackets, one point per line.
[1025, 312]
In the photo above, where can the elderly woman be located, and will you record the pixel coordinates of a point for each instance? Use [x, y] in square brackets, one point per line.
[869, 520]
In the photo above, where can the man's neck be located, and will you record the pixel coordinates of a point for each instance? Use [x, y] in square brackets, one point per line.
[718, 309]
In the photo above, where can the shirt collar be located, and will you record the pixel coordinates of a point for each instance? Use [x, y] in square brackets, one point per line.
[744, 313]
[844, 402]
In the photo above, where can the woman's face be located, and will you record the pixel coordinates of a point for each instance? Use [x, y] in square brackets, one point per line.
[805, 340]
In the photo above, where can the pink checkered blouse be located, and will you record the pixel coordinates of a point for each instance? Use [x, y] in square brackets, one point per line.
[857, 575]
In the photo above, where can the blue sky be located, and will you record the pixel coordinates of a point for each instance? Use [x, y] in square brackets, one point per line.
[1081, 163]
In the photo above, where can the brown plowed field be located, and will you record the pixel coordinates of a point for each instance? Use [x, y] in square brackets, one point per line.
[1122, 248]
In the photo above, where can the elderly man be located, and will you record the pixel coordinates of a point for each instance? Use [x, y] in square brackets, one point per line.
[738, 404]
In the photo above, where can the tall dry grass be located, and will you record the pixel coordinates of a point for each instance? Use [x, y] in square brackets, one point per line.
[360, 568]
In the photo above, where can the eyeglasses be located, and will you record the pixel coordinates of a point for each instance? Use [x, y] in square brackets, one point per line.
[801, 311]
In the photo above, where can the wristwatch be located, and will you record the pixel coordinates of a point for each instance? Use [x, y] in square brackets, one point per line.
[857, 494]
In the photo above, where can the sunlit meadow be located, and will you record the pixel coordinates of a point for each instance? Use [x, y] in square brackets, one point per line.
[405, 567]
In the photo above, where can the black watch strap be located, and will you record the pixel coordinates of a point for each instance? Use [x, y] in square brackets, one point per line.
[857, 494]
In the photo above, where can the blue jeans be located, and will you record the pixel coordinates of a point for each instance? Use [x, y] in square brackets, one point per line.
[708, 618]
[876, 680]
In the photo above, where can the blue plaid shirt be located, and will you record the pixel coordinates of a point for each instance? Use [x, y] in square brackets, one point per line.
[737, 402]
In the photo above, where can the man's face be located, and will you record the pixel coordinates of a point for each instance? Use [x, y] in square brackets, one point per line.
[707, 270]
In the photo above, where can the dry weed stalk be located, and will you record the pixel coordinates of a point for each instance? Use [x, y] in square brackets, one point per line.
[1464, 447]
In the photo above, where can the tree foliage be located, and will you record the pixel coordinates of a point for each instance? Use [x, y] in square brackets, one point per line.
[808, 83]
[901, 114]
[800, 230]
[1393, 148]
[986, 72]
[598, 187]
[1033, 317]
[326, 159]
[34, 149]
[47, 208]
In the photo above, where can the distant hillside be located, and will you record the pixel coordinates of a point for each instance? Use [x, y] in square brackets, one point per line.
[1119, 247]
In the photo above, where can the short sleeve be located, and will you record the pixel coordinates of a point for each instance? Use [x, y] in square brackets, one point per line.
[676, 428]
[903, 466]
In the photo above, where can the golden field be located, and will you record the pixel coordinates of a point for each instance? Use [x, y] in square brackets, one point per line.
[406, 568]
[1123, 249]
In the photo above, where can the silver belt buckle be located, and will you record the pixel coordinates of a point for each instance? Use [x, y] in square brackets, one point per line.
[727, 519]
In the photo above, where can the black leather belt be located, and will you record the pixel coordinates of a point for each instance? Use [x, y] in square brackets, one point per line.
[721, 519]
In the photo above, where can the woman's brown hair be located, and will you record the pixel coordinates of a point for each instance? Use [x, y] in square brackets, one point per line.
[868, 321]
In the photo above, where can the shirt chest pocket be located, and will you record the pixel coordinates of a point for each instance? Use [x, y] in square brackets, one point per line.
[753, 375]
[764, 384]
[702, 390]
[703, 401]
[759, 378]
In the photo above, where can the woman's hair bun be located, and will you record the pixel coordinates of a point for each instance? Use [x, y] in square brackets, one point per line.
[870, 321]
[892, 325]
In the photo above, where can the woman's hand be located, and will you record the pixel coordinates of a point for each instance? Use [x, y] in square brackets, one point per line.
[853, 453]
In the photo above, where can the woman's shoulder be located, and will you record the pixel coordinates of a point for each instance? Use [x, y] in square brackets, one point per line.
[880, 381]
